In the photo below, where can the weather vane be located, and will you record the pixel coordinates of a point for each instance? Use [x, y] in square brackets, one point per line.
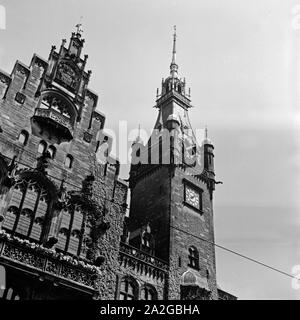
[79, 26]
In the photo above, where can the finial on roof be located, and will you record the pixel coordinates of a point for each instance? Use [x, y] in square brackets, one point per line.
[78, 27]
[206, 139]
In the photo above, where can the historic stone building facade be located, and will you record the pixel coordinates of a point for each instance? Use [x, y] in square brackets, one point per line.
[64, 233]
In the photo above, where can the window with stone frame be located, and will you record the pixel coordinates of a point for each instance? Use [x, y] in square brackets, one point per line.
[69, 161]
[9, 294]
[128, 289]
[147, 241]
[42, 147]
[52, 151]
[72, 228]
[27, 210]
[193, 258]
[23, 137]
[148, 293]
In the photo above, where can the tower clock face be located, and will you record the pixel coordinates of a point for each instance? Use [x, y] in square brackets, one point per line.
[192, 197]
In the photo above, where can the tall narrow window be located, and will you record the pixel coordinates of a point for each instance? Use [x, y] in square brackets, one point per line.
[194, 150]
[2, 278]
[27, 210]
[193, 258]
[128, 289]
[23, 137]
[9, 294]
[160, 150]
[52, 151]
[76, 232]
[71, 231]
[42, 147]
[69, 161]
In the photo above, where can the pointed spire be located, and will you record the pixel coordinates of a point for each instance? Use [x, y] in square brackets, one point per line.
[174, 46]
[206, 139]
[174, 66]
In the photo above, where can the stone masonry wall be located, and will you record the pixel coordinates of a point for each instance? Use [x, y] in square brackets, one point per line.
[190, 225]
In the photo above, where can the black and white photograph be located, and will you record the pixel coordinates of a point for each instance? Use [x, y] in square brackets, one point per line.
[149, 150]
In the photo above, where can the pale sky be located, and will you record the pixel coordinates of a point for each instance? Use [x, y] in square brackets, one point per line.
[241, 60]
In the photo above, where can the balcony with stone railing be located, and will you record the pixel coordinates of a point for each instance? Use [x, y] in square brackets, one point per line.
[35, 259]
[54, 122]
[142, 263]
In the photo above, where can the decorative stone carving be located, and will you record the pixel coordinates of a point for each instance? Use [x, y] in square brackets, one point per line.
[67, 75]
[20, 255]
[194, 293]
[22, 69]
[87, 137]
[52, 266]
[4, 78]
[35, 256]
[20, 97]
[90, 96]
[98, 117]
[40, 62]
[54, 115]
[77, 276]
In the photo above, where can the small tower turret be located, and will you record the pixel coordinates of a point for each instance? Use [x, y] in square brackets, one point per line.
[208, 154]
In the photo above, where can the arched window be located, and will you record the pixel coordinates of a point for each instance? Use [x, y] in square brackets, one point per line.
[23, 137]
[148, 293]
[193, 258]
[70, 235]
[128, 289]
[147, 241]
[25, 219]
[69, 161]
[146, 237]
[57, 102]
[52, 151]
[27, 210]
[9, 294]
[42, 147]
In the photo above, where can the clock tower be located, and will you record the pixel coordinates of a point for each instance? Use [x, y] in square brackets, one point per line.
[172, 182]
